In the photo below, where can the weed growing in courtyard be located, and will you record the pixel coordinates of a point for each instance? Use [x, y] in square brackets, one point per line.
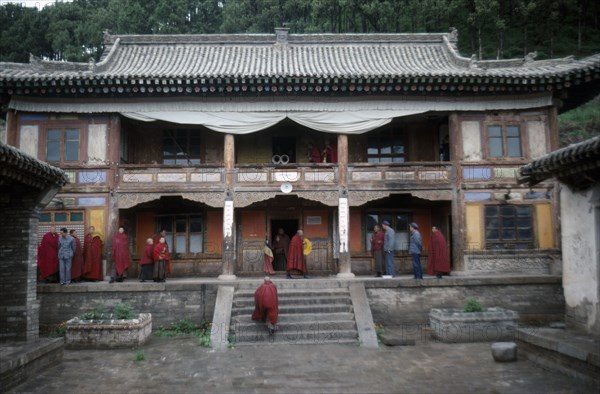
[183, 327]
[379, 330]
[140, 356]
[230, 341]
[58, 330]
[473, 305]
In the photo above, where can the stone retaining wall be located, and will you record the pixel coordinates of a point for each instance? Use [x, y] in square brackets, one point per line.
[393, 302]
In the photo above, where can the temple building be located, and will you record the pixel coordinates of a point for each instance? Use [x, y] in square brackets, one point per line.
[210, 138]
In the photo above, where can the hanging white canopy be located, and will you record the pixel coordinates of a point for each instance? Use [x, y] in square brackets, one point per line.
[249, 122]
[348, 115]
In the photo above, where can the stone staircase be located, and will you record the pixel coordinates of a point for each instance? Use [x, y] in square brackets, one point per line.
[309, 313]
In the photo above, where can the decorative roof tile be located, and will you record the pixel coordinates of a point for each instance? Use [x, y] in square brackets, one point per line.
[19, 167]
[577, 165]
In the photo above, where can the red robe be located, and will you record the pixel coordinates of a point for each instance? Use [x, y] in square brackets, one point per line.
[438, 255]
[266, 305]
[295, 258]
[161, 252]
[120, 253]
[48, 255]
[77, 262]
[147, 255]
[331, 154]
[268, 261]
[314, 155]
[92, 257]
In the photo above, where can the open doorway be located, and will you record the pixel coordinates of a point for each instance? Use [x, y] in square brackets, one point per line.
[280, 246]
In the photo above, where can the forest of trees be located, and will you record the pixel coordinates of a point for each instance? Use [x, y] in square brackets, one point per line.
[490, 29]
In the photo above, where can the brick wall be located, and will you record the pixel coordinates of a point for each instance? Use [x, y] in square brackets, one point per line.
[536, 299]
[18, 268]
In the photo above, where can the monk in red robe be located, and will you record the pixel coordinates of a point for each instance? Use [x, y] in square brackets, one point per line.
[147, 261]
[330, 152]
[266, 304]
[162, 262]
[438, 262]
[92, 255]
[48, 256]
[268, 259]
[119, 255]
[295, 257]
[77, 262]
[161, 234]
[314, 154]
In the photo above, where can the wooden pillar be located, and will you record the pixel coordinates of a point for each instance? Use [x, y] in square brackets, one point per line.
[458, 234]
[229, 252]
[113, 155]
[345, 267]
[553, 128]
[11, 128]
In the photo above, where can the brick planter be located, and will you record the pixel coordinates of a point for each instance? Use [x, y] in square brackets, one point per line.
[454, 325]
[108, 333]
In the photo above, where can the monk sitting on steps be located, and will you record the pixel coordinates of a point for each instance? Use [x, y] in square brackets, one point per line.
[266, 305]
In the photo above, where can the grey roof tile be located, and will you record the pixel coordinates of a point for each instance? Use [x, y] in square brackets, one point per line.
[311, 56]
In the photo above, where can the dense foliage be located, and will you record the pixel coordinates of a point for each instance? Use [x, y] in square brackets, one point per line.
[488, 28]
[580, 123]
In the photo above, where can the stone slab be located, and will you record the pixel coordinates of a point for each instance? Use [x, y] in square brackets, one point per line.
[362, 313]
[222, 318]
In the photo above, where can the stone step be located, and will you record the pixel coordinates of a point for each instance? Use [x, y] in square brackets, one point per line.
[293, 336]
[290, 301]
[247, 325]
[294, 284]
[275, 340]
[290, 309]
[249, 293]
[300, 317]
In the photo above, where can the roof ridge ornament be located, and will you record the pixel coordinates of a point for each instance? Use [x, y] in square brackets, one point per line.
[281, 35]
[92, 64]
[530, 57]
[107, 36]
[453, 34]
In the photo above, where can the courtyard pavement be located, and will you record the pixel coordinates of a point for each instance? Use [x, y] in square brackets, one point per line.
[180, 365]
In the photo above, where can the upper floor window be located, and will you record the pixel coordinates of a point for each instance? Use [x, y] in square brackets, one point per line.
[399, 222]
[508, 227]
[385, 146]
[63, 145]
[181, 147]
[504, 141]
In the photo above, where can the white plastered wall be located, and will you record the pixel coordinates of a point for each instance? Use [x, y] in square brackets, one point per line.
[581, 257]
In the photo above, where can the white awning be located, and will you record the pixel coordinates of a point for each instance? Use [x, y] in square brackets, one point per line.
[336, 115]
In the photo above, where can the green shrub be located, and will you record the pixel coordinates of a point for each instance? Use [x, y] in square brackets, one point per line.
[97, 313]
[123, 311]
[473, 305]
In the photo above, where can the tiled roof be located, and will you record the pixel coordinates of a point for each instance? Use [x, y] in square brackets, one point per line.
[290, 56]
[577, 165]
[18, 167]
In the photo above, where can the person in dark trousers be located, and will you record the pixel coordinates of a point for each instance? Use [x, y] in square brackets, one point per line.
[389, 240]
[415, 249]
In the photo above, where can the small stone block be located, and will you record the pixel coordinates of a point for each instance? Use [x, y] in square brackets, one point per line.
[557, 325]
[396, 340]
[504, 351]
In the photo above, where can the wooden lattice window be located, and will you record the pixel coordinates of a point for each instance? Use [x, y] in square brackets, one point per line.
[508, 227]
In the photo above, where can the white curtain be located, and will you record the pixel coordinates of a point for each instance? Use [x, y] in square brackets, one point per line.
[352, 122]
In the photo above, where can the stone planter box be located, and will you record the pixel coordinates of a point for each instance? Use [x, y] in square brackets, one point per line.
[108, 333]
[453, 325]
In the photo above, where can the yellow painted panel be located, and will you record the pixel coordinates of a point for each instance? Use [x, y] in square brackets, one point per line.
[473, 227]
[544, 226]
[97, 219]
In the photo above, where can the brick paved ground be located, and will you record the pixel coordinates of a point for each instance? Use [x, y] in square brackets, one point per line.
[180, 365]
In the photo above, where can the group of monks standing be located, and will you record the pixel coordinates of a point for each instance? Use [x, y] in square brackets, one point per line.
[155, 262]
[289, 255]
[86, 263]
